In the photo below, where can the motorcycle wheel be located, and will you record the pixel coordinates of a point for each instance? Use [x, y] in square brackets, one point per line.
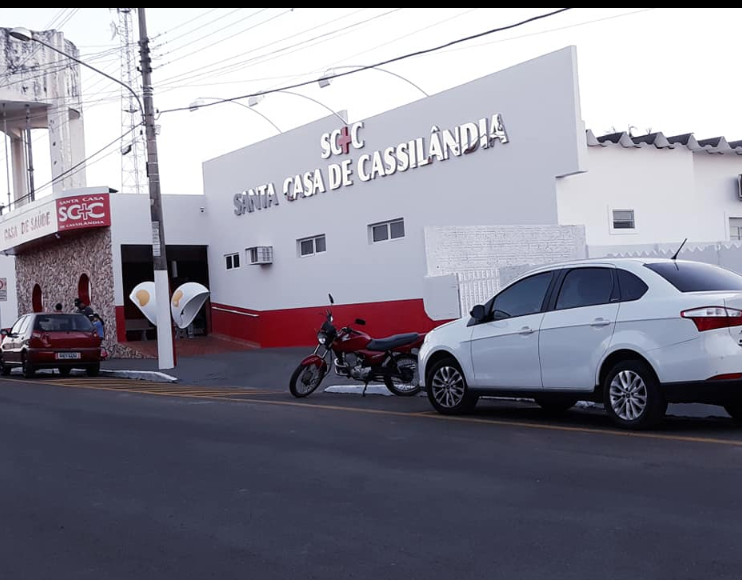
[407, 364]
[305, 380]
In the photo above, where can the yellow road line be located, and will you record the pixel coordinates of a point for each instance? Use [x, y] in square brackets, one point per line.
[424, 415]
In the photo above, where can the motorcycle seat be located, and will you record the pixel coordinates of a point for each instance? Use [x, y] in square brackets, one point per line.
[391, 342]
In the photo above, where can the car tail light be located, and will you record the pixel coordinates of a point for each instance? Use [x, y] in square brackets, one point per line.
[713, 317]
[37, 340]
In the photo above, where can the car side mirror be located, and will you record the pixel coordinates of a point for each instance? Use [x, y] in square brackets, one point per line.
[478, 312]
[360, 321]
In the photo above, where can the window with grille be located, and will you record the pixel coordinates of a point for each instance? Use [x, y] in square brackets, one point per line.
[735, 229]
[623, 219]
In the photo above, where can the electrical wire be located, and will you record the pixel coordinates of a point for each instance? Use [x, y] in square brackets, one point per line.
[187, 22]
[200, 28]
[226, 69]
[81, 164]
[221, 30]
[444, 21]
[212, 44]
[384, 62]
[594, 21]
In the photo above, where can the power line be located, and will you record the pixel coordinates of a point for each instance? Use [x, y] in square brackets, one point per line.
[189, 76]
[188, 22]
[596, 20]
[79, 166]
[384, 62]
[385, 44]
[212, 44]
[197, 29]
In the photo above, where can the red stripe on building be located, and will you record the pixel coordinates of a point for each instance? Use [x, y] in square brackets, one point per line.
[299, 326]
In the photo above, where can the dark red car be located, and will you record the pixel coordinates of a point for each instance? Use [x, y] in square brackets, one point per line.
[51, 340]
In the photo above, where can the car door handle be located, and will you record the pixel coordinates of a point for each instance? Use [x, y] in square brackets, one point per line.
[526, 330]
[600, 322]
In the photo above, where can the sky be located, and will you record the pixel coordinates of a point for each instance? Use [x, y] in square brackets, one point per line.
[672, 70]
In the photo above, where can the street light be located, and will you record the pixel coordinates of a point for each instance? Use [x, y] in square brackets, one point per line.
[195, 105]
[324, 80]
[252, 101]
[165, 344]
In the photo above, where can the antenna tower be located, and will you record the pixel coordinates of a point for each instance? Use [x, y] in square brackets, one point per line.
[133, 152]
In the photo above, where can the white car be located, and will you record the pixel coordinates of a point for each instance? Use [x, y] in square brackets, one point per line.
[633, 334]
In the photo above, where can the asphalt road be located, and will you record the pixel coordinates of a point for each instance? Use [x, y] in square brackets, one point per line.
[189, 483]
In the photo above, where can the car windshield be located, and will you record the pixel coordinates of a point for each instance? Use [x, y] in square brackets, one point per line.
[62, 323]
[697, 276]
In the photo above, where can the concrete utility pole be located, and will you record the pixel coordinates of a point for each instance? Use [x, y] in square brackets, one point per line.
[165, 342]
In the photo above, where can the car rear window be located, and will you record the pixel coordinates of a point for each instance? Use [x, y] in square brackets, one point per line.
[62, 323]
[697, 276]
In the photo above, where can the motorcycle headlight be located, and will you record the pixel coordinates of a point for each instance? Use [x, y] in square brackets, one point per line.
[321, 337]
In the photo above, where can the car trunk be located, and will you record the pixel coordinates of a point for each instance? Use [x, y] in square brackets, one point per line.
[69, 340]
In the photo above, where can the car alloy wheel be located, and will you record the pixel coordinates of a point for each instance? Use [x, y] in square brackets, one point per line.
[628, 395]
[447, 387]
[632, 396]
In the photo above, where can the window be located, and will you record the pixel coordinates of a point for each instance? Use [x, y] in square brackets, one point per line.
[37, 303]
[232, 260]
[522, 298]
[623, 219]
[24, 326]
[585, 287]
[311, 246]
[83, 289]
[63, 323]
[632, 287]
[383, 231]
[697, 276]
[735, 229]
[17, 326]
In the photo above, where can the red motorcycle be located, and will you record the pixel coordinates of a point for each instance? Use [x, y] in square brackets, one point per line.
[357, 356]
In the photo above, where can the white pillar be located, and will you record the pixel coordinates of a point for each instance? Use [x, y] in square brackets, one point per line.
[19, 169]
[165, 346]
[64, 116]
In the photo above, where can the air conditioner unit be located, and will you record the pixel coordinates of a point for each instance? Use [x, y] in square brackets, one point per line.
[260, 255]
[739, 186]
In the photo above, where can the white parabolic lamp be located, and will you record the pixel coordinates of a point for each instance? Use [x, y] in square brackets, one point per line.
[185, 302]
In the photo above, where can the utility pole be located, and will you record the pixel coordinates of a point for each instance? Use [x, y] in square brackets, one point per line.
[165, 342]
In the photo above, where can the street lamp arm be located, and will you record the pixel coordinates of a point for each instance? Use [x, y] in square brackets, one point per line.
[249, 109]
[405, 79]
[83, 63]
[321, 104]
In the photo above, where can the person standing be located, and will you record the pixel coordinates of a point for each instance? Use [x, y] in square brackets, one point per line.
[98, 323]
[58, 307]
[83, 308]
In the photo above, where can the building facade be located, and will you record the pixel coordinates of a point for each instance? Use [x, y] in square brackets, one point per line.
[407, 218]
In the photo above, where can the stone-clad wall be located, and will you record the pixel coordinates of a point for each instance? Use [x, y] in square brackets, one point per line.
[57, 266]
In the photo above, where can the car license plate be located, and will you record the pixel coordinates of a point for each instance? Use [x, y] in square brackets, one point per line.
[68, 355]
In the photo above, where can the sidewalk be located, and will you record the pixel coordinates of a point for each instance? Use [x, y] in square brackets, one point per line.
[267, 368]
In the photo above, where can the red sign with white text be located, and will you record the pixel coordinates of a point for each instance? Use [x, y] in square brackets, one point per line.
[83, 211]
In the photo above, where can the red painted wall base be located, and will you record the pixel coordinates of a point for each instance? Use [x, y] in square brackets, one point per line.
[299, 326]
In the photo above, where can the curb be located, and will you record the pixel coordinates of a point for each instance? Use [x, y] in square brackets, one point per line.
[382, 390]
[154, 376]
[358, 389]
